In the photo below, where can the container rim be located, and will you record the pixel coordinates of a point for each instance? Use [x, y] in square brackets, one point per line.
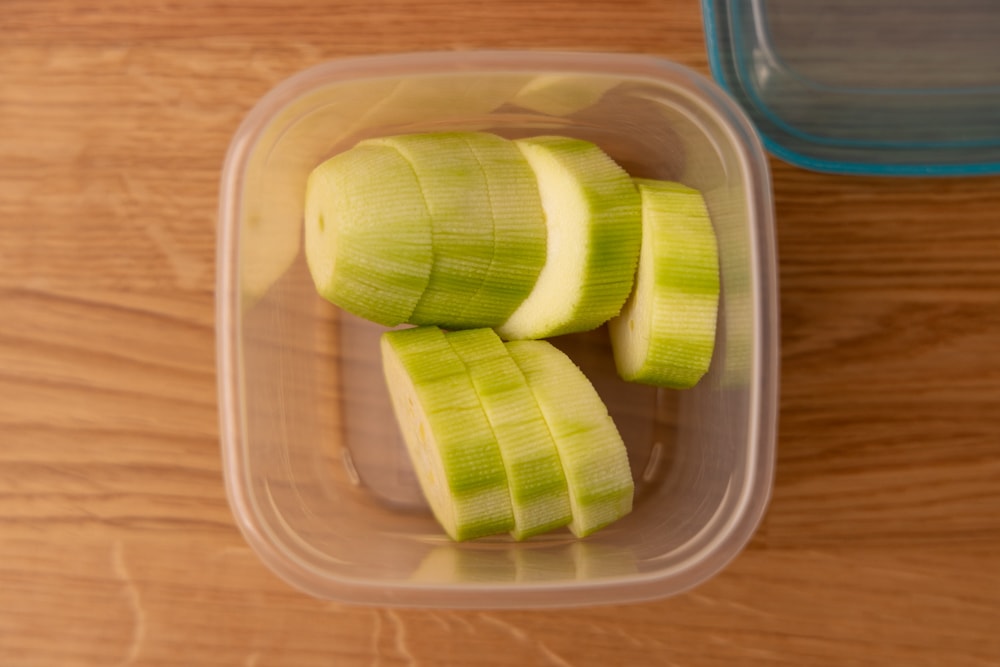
[765, 357]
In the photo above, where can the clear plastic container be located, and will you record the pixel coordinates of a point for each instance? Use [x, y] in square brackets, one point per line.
[865, 86]
[315, 469]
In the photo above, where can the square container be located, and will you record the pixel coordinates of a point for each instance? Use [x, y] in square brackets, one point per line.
[315, 469]
[889, 87]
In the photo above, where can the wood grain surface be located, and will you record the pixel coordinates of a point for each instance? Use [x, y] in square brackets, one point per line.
[881, 545]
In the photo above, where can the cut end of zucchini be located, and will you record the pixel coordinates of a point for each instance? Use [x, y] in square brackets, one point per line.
[593, 233]
[368, 234]
[665, 334]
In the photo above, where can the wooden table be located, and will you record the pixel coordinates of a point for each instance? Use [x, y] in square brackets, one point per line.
[881, 545]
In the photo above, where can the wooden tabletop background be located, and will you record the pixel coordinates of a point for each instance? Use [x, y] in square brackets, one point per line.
[881, 545]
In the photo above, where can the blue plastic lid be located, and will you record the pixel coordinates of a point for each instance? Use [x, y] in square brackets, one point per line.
[865, 86]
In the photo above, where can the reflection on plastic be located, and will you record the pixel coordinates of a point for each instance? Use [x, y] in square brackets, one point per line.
[438, 101]
[562, 94]
[524, 563]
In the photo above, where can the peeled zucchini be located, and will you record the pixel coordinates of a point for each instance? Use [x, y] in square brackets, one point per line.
[666, 331]
[497, 240]
[538, 491]
[593, 235]
[368, 234]
[448, 436]
[590, 447]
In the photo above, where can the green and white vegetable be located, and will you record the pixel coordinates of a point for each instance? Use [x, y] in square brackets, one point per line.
[539, 495]
[504, 243]
[368, 234]
[666, 332]
[594, 231]
[448, 437]
[592, 452]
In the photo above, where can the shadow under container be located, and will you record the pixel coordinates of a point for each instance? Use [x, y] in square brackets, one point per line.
[315, 470]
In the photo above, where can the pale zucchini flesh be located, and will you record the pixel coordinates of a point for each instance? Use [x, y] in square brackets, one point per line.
[592, 245]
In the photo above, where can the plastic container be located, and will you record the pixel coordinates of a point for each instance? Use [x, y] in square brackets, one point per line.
[315, 470]
[887, 87]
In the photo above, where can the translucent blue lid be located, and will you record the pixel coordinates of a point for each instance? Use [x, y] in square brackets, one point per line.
[865, 86]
